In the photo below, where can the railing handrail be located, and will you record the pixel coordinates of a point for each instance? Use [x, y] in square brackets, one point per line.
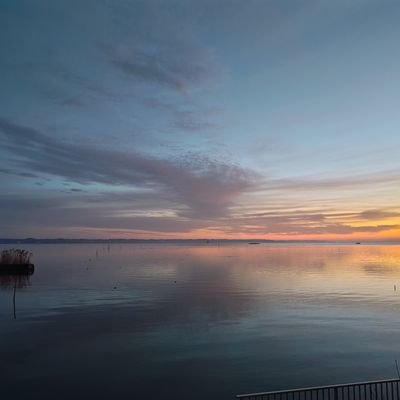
[307, 389]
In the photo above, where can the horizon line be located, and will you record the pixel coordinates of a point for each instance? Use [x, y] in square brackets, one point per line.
[206, 240]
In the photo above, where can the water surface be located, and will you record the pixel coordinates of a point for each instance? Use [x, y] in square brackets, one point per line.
[204, 321]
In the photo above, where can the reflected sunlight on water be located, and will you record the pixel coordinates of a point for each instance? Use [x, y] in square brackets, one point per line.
[199, 321]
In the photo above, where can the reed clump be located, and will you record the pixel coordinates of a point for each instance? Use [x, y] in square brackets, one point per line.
[15, 257]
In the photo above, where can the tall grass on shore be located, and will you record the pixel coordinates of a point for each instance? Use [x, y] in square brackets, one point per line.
[15, 256]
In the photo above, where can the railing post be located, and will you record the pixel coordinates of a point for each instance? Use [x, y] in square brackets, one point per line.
[335, 393]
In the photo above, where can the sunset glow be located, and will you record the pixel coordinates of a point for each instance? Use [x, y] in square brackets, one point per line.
[271, 120]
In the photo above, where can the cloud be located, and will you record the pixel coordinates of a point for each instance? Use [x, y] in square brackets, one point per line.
[301, 222]
[191, 121]
[175, 65]
[377, 214]
[22, 174]
[186, 116]
[98, 214]
[345, 182]
[264, 227]
[206, 187]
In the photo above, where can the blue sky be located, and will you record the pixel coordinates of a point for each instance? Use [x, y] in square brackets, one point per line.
[273, 119]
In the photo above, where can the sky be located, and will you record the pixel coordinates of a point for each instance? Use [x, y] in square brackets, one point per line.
[200, 119]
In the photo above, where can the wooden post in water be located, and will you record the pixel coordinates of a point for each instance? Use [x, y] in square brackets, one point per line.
[15, 290]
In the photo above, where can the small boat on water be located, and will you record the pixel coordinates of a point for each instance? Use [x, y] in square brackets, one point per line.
[358, 242]
[253, 243]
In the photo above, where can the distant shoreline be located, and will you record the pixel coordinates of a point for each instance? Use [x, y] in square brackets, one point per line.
[172, 241]
[82, 240]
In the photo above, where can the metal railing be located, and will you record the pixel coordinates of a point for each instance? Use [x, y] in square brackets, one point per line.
[372, 390]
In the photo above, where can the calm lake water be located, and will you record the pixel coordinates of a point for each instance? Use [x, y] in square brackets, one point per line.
[145, 321]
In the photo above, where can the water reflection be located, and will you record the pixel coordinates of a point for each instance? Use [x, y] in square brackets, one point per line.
[132, 321]
[19, 281]
[14, 282]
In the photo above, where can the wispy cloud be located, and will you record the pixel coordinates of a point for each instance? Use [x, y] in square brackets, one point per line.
[335, 183]
[379, 214]
[314, 222]
[206, 187]
[177, 66]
